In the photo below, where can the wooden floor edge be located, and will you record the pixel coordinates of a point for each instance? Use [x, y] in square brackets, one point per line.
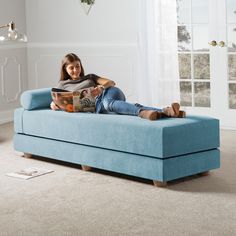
[86, 168]
[27, 155]
[159, 183]
[205, 173]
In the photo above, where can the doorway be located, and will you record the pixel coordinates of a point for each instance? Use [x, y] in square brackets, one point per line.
[207, 58]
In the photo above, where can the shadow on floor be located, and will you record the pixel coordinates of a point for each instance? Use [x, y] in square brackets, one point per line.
[194, 183]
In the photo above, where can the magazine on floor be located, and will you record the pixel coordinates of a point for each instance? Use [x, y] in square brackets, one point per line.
[29, 173]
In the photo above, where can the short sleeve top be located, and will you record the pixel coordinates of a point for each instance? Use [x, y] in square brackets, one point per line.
[86, 81]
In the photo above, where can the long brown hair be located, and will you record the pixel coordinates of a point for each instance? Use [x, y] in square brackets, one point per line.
[68, 59]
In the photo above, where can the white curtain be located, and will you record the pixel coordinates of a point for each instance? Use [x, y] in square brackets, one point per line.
[158, 75]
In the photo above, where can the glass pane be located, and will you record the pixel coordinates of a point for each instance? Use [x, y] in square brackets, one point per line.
[184, 38]
[185, 66]
[232, 38]
[199, 11]
[232, 96]
[231, 11]
[200, 38]
[232, 67]
[183, 11]
[201, 66]
[185, 94]
[202, 94]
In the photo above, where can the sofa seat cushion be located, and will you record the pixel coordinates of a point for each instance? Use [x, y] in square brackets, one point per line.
[162, 138]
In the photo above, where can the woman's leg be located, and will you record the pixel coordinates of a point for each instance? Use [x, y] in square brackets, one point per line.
[148, 108]
[113, 101]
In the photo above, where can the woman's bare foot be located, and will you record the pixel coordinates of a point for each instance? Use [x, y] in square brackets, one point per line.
[150, 114]
[173, 111]
[182, 114]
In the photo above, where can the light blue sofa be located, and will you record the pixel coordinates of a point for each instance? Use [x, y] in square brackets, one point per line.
[160, 150]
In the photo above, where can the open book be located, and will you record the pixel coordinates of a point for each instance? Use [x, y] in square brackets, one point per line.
[79, 101]
[29, 173]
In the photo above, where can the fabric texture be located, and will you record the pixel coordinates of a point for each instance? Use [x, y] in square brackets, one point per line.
[121, 162]
[162, 138]
[36, 99]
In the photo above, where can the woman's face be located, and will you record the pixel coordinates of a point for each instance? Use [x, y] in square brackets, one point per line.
[74, 69]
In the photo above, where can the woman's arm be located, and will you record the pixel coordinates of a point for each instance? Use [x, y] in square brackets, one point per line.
[102, 84]
[106, 83]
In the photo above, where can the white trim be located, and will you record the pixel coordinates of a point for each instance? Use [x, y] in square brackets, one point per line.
[227, 128]
[78, 45]
[6, 116]
[12, 46]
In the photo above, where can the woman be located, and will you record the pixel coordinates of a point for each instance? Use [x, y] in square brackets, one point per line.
[109, 99]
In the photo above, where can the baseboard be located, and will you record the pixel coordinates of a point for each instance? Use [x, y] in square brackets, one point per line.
[228, 127]
[6, 116]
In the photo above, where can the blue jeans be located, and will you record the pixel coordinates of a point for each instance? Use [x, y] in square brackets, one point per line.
[112, 100]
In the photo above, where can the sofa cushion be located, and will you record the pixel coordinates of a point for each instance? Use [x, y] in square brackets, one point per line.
[159, 139]
[36, 99]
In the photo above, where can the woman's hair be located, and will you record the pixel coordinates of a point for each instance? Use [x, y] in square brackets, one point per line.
[68, 59]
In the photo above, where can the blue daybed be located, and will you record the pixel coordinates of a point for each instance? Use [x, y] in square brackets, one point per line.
[161, 150]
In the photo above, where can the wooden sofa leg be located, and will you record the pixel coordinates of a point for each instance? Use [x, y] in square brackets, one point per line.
[27, 155]
[159, 183]
[204, 173]
[86, 168]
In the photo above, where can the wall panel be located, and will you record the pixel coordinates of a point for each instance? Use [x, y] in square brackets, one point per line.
[116, 62]
[13, 80]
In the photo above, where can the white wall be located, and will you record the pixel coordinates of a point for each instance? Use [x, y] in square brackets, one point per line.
[13, 60]
[105, 40]
[109, 21]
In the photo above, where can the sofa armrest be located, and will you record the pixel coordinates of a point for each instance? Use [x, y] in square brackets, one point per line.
[36, 99]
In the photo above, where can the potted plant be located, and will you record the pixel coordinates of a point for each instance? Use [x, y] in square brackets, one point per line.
[89, 2]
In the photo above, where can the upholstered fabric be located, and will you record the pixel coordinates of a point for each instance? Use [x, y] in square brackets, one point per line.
[36, 99]
[18, 120]
[163, 150]
[162, 138]
[122, 162]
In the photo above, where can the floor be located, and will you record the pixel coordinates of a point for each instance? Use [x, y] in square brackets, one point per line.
[70, 201]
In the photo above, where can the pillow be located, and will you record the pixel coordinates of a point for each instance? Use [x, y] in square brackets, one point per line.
[36, 99]
[79, 101]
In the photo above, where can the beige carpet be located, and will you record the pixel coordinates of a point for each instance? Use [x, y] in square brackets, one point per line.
[73, 202]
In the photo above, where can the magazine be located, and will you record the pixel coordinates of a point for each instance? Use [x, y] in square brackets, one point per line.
[29, 173]
[79, 101]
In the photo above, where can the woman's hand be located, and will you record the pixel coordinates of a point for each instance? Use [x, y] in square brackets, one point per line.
[54, 106]
[97, 90]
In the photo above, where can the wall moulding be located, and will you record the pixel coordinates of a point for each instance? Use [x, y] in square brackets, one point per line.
[82, 45]
[6, 116]
[12, 46]
[114, 61]
[11, 79]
